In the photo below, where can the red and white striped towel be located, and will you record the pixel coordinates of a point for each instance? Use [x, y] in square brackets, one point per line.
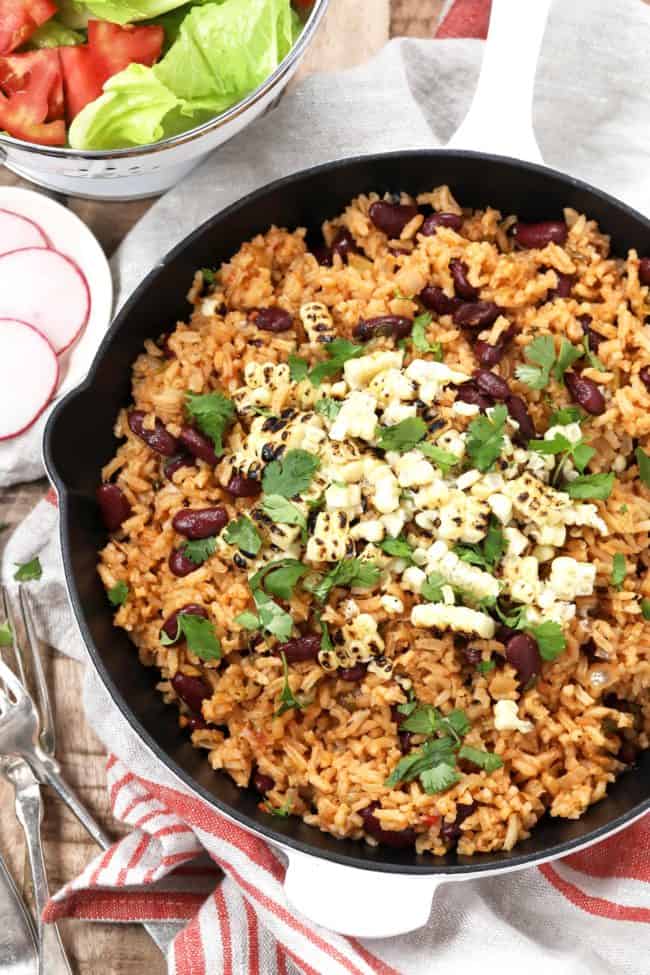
[585, 915]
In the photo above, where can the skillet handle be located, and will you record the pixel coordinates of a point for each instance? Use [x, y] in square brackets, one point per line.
[359, 903]
[500, 117]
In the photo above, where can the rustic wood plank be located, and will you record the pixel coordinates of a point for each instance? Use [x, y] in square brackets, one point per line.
[352, 33]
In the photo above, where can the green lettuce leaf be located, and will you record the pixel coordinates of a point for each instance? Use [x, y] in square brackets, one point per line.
[127, 11]
[55, 34]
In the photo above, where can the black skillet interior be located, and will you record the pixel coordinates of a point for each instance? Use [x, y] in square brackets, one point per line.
[79, 440]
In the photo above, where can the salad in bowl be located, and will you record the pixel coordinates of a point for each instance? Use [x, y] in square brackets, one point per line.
[111, 74]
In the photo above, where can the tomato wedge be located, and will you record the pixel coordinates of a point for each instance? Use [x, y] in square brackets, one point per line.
[20, 18]
[23, 114]
[16, 71]
[110, 49]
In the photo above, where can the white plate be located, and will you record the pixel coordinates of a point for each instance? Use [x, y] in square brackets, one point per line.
[69, 235]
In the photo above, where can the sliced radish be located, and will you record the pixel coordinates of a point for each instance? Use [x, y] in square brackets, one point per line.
[46, 289]
[17, 231]
[29, 373]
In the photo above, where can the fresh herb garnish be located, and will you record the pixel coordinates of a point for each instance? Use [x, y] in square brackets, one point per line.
[338, 352]
[348, 573]
[432, 588]
[485, 440]
[199, 549]
[272, 618]
[643, 460]
[541, 353]
[398, 547]
[325, 639]
[244, 535]
[283, 811]
[439, 778]
[298, 368]
[283, 512]
[566, 415]
[443, 459]
[549, 638]
[199, 634]
[248, 619]
[288, 700]
[209, 275]
[619, 571]
[403, 436]
[292, 475]
[645, 609]
[327, 407]
[419, 336]
[590, 487]
[567, 355]
[485, 666]
[278, 578]
[591, 357]
[487, 553]
[117, 594]
[213, 413]
[488, 761]
[6, 635]
[28, 571]
[560, 446]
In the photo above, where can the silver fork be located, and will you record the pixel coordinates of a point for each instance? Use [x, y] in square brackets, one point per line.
[24, 734]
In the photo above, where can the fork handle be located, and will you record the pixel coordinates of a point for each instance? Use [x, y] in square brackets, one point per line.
[47, 770]
[51, 957]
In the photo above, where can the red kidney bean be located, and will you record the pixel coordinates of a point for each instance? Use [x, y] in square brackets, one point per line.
[404, 738]
[343, 244]
[273, 319]
[490, 355]
[198, 445]
[113, 504]
[504, 633]
[170, 626]
[450, 832]
[200, 522]
[523, 654]
[469, 393]
[391, 218]
[472, 655]
[491, 384]
[644, 270]
[435, 299]
[540, 234]
[462, 286]
[644, 376]
[593, 338]
[396, 326]
[263, 783]
[519, 411]
[196, 724]
[563, 289]
[243, 487]
[398, 839]
[193, 691]
[478, 314]
[354, 674]
[180, 564]
[300, 648]
[585, 393]
[436, 220]
[175, 464]
[323, 255]
[158, 438]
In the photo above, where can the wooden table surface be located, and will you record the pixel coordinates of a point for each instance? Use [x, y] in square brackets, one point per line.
[352, 32]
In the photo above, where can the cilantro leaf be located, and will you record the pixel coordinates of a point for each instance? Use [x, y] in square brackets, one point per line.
[645, 609]
[278, 578]
[485, 760]
[213, 413]
[338, 353]
[549, 638]
[272, 617]
[558, 445]
[349, 573]
[456, 723]
[403, 436]
[288, 700]
[592, 358]
[292, 475]
[423, 720]
[567, 355]
[540, 352]
[643, 460]
[439, 778]
[283, 512]
[590, 486]
[419, 336]
[209, 275]
[200, 549]
[200, 635]
[6, 635]
[283, 811]
[29, 571]
[566, 415]
[581, 454]
[489, 552]
[248, 620]
[485, 440]
[444, 459]
[398, 547]
[432, 588]
[298, 368]
[485, 666]
[329, 408]
[325, 639]
[244, 535]
[619, 571]
[432, 753]
[117, 594]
